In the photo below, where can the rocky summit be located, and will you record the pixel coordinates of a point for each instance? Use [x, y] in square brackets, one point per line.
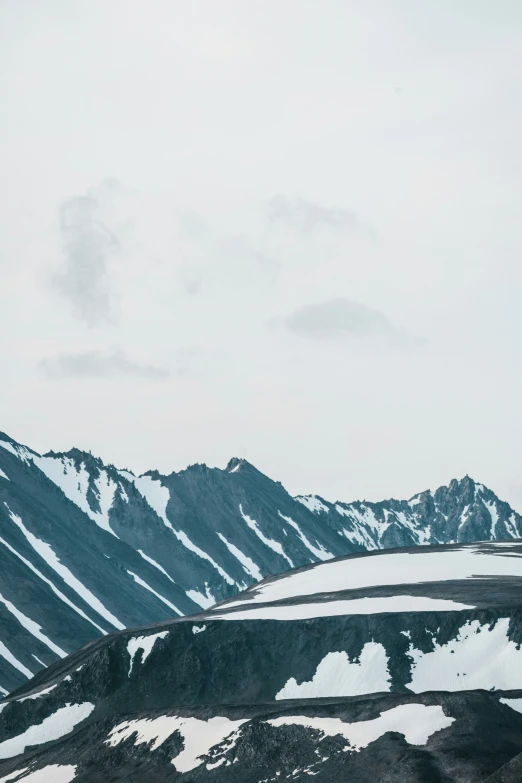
[402, 666]
[87, 549]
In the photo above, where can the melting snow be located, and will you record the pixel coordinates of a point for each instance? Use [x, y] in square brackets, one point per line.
[156, 565]
[74, 483]
[8, 655]
[62, 722]
[417, 722]
[337, 676]
[371, 605]
[37, 694]
[248, 565]
[144, 643]
[19, 451]
[55, 773]
[151, 590]
[203, 600]
[320, 552]
[388, 568]
[312, 503]
[275, 546]
[55, 590]
[199, 736]
[49, 556]
[491, 507]
[480, 657]
[33, 628]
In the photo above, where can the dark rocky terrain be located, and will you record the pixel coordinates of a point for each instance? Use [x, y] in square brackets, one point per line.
[86, 549]
[402, 666]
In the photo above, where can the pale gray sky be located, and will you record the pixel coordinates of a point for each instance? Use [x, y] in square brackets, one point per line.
[281, 229]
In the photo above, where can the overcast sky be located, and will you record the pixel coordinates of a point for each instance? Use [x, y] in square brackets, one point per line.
[287, 230]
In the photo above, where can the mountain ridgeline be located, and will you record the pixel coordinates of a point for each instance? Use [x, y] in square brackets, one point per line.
[87, 549]
[402, 666]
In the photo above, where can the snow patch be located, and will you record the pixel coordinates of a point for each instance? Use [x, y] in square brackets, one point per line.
[248, 565]
[156, 565]
[336, 675]
[388, 568]
[144, 584]
[13, 660]
[373, 605]
[199, 628]
[416, 722]
[55, 590]
[312, 503]
[145, 644]
[320, 552]
[48, 555]
[33, 628]
[275, 546]
[54, 773]
[38, 694]
[204, 600]
[199, 736]
[62, 722]
[3, 475]
[480, 657]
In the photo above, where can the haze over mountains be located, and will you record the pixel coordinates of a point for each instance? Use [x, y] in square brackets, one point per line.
[87, 549]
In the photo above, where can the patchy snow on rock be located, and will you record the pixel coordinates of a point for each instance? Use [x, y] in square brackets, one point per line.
[319, 551]
[144, 584]
[481, 656]
[372, 605]
[205, 600]
[185, 540]
[199, 736]
[48, 555]
[248, 565]
[74, 483]
[156, 565]
[336, 675]
[275, 546]
[55, 590]
[145, 644]
[62, 722]
[416, 722]
[33, 628]
[389, 568]
[312, 503]
[38, 694]
[156, 495]
[199, 628]
[12, 775]
[3, 475]
[19, 451]
[6, 653]
[54, 773]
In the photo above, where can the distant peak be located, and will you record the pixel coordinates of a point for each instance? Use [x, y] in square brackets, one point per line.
[235, 464]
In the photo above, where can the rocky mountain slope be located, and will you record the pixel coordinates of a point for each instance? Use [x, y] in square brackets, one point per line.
[86, 549]
[402, 666]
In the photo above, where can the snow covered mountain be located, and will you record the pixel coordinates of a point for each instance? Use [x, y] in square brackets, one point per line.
[86, 549]
[403, 666]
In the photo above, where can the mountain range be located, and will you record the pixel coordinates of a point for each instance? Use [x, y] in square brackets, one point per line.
[402, 666]
[87, 549]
